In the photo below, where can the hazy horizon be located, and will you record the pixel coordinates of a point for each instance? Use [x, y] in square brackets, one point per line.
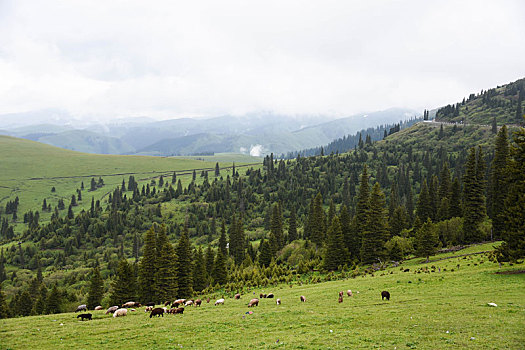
[331, 59]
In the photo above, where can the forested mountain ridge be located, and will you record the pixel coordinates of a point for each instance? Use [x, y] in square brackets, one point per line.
[505, 103]
[421, 188]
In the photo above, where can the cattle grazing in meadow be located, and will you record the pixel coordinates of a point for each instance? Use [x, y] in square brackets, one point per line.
[385, 294]
[179, 310]
[148, 308]
[131, 304]
[111, 310]
[341, 293]
[237, 296]
[208, 300]
[219, 302]
[349, 293]
[270, 295]
[198, 302]
[98, 307]
[262, 295]
[303, 298]
[278, 301]
[340, 299]
[189, 303]
[84, 316]
[120, 313]
[158, 311]
[253, 302]
[82, 307]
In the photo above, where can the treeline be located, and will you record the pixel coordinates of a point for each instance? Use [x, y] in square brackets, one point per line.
[380, 202]
[349, 142]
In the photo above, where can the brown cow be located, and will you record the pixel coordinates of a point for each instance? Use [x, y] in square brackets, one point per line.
[179, 310]
[237, 296]
[340, 299]
[341, 293]
[253, 302]
[262, 295]
[349, 293]
[198, 302]
[208, 300]
[303, 298]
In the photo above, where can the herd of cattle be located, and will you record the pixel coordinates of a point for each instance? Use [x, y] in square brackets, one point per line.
[177, 306]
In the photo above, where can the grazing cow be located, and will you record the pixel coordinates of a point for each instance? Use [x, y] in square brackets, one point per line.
[129, 304]
[198, 302]
[148, 308]
[167, 303]
[237, 296]
[303, 298]
[219, 302]
[120, 312]
[253, 302]
[385, 294]
[349, 293]
[111, 310]
[262, 295]
[82, 307]
[341, 293]
[278, 301]
[189, 303]
[208, 300]
[158, 311]
[270, 295]
[179, 301]
[84, 316]
[340, 299]
[150, 304]
[175, 304]
[179, 310]
[98, 307]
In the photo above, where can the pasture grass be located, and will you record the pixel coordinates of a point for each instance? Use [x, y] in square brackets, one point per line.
[434, 310]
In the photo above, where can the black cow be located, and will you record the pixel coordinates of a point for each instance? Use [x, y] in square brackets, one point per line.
[85, 316]
[158, 311]
[385, 294]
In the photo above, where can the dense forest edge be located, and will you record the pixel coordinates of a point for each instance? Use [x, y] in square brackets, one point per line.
[348, 211]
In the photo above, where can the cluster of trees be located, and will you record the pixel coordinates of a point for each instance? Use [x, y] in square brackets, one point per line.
[282, 220]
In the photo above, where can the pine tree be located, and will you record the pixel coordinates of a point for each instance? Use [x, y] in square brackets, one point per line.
[318, 221]
[494, 126]
[210, 258]
[24, 304]
[217, 170]
[96, 289]
[513, 247]
[166, 267]
[40, 304]
[499, 182]
[265, 253]
[184, 266]
[199, 271]
[474, 200]
[292, 226]
[454, 209]
[123, 286]
[222, 240]
[396, 254]
[335, 253]
[276, 229]
[363, 204]
[427, 240]
[376, 229]
[424, 207]
[220, 274]
[148, 268]
[398, 221]
[54, 300]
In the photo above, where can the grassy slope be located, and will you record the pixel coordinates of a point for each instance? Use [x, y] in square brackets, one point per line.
[30, 169]
[418, 315]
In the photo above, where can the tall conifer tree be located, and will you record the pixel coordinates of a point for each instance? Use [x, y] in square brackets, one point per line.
[376, 229]
[184, 266]
[148, 267]
[335, 253]
[96, 289]
[499, 182]
[474, 199]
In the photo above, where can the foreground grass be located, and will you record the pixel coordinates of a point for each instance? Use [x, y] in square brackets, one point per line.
[434, 310]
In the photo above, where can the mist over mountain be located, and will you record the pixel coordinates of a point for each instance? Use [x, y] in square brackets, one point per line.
[256, 134]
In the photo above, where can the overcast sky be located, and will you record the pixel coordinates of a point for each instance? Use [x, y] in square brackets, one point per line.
[166, 59]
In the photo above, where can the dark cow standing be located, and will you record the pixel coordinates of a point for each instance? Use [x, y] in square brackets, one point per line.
[179, 310]
[303, 298]
[270, 295]
[158, 311]
[237, 296]
[84, 316]
[385, 294]
[198, 302]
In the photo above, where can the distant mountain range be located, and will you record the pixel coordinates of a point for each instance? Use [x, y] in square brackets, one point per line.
[256, 134]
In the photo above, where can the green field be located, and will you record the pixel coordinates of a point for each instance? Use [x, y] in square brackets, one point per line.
[427, 310]
[30, 169]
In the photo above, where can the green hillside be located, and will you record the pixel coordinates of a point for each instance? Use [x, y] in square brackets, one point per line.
[30, 169]
[502, 102]
[439, 305]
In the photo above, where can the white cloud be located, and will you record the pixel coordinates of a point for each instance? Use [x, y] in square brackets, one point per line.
[256, 151]
[167, 59]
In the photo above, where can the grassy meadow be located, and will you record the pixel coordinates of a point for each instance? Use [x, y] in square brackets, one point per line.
[30, 169]
[444, 308]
